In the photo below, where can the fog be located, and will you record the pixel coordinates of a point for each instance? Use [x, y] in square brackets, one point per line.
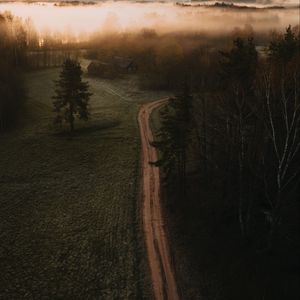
[163, 17]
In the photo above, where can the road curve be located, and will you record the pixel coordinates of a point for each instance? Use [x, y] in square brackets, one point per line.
[162, 274]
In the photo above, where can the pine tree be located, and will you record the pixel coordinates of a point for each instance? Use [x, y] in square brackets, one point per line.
[173, 139]
[71, 94]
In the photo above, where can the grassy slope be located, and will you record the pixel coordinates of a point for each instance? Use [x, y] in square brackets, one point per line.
[68, 205]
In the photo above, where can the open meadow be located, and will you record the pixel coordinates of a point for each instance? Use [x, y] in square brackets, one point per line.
[69, 203]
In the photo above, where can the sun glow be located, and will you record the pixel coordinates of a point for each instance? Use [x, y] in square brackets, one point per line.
[122, 16]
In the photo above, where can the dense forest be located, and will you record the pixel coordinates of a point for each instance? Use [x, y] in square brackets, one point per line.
[230, 152]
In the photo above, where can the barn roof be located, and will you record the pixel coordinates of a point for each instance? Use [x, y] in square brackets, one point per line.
[123, 62]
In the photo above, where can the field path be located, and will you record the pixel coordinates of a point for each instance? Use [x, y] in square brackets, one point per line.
[162, 274]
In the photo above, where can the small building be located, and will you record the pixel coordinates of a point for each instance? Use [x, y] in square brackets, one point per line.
[124, 64]
[101, 69]
[117, 65]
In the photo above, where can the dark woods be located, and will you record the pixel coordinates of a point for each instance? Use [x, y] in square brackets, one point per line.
[230, 153]
[23, 49]
[12, 54]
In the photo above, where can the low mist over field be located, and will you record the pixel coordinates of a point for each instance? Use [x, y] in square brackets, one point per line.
[81, 20]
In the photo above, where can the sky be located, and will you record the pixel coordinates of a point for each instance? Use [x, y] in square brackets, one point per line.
[165, 17]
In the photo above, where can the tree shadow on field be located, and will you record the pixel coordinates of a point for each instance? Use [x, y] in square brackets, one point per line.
[86, 129]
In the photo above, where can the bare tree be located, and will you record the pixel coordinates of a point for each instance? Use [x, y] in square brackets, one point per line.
[283, 125]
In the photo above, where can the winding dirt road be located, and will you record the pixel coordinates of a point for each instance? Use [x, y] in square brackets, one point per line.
[162, 274]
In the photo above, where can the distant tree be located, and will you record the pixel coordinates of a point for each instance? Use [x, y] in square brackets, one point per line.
[148, 33]
[238, 66]
[71, 94]
[283, 47]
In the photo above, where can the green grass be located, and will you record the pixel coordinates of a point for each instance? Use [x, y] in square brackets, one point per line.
[69, 207]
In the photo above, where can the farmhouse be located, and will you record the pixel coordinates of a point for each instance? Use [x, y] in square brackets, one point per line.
[124, 65]
[102, 69]
[118, 65]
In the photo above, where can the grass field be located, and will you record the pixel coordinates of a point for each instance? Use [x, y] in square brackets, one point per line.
[69, 213]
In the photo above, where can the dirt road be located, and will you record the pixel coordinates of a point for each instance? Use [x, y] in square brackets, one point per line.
[162, 274]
